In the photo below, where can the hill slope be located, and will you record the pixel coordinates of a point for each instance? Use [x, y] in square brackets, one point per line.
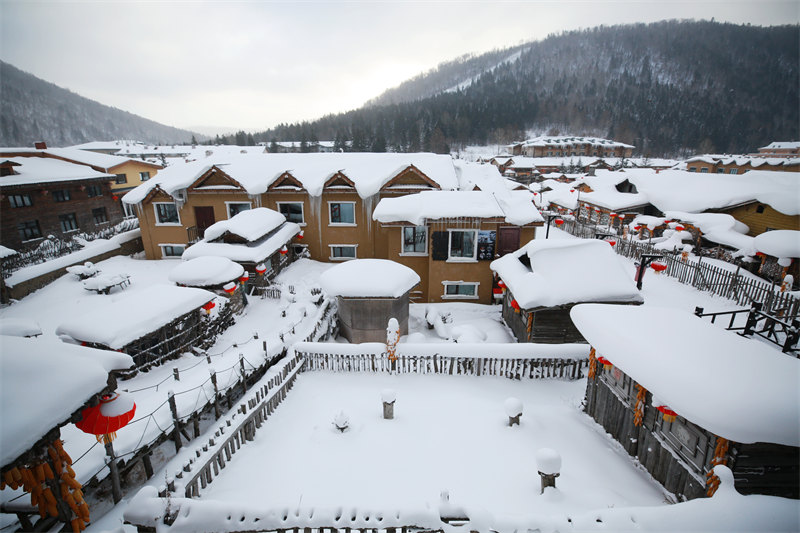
[32, 110]
[669, 88]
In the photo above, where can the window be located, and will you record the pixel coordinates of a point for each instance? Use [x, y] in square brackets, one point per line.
[720, 170]
[68, 222]
[144, 176]
[121, 178]
[293, 211]
[692, 169]
[172, 250]
[734, 171]
[29, 230]
[415, 240]
[342, 213]
[166, 214]
[704, 169]
[20, 200]
[94, 190]
[465, 290]
[99, 215]
[128, 210]
[760, 209]
[462, 244]
[234, 208]
[61, 195]
[342, 252]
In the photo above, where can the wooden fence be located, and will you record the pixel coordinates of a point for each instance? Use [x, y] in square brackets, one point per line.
[320, 356]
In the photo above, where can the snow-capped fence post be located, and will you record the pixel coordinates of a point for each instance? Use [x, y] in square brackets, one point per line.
[176, 431]
[116, 485]
[388, 396]
[176, 374]
[244, 376]
[549, 464]
[213, 373]
[513, 408]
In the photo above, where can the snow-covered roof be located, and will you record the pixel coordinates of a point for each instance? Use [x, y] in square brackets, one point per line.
[516, 207]
[250, 225]
[252, 252]
[42, 382]
[740, 389]
[565, 271]
[779, 243]
[121, 320]
[781, 145]
[741, 160]
[568, 140]
[19, 327]
[96, 159]
[6, 252]
[485, 177]
[36, 170]
[716, 227]
[256, 172]
[106, 145]
[368, 278]
[206, 271]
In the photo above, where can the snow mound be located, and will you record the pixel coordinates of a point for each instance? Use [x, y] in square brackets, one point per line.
[548, 461]
[206, 271]
[368, 278]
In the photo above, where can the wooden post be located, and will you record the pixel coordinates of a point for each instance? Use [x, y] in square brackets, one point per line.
[176, 374]
[176, 431]
[216, 393]
[244, 376]
[388, 410]
[548, 480]
[196, 425]
[116, 486]
[148, 466]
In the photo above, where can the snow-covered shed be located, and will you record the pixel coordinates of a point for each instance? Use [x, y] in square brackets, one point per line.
[151, 325]
[252, 237]
[545, 278]
[369, 292]
[682, 395]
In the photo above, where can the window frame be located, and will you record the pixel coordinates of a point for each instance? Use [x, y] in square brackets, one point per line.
[94, 191]
[121, 179]
[229, 204]
[343, 258]
[461, 283]
[164, 246]
[158, 219]
[462, 259]
[27, 223]
[64, 217]
[61, 195]
[100, 210]
[24, 196]
[144, 175]
[341, 224]
[302, 211]
[403, 251]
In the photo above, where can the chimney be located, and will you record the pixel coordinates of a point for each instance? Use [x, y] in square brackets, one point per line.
[40, 145]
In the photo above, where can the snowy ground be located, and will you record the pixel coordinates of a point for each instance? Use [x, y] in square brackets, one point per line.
[429, 462]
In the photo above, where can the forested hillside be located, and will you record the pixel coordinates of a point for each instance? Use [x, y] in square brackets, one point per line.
[32, 110]
[669, 88]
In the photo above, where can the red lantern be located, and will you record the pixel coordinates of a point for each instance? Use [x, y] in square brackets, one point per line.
[284, 250]
[596, 209]
[115, 197]
[497, 292]
[209, 306]
[515, 306]
[300, 235]
[229, 287]
[621, 217]
[104, 419]
[668, 414]
[658, 267]
[261, 269]
[613, 215]
[572, 190]
[501, 284]
[605, 362]
[679, 228]
[244, 277]
[535, 193]
[637, 227]
[559, 221]
[760, 254]
[612, 242]
[667, 221]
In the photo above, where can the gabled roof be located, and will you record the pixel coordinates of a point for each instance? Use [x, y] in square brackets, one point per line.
[215, 179]
[40, 170]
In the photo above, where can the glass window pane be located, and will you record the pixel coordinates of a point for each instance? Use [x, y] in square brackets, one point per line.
[292, 211]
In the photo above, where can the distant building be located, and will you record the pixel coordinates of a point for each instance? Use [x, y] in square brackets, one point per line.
[780, 149]
[739, 164]
[296, 147]
[567, 146]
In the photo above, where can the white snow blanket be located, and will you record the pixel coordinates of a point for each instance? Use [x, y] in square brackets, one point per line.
[368, 278]
[740, 389]
[516, 207]
[127, 317]
[206, 271]
[566, 271]
[779, 243]
[251, 224]
[245, 253]
[19, 327]
[42, 382]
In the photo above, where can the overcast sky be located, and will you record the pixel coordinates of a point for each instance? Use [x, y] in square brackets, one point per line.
[252, 65]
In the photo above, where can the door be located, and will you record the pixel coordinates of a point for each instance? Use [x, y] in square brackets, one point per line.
[507, 241]
[203, 217]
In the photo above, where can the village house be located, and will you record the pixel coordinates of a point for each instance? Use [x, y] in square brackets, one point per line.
[296, 147]
[568, 146]
[780, 149]
[678, 394]
[739, 164]
[545, 279]
[331, 197]
[41, 196]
